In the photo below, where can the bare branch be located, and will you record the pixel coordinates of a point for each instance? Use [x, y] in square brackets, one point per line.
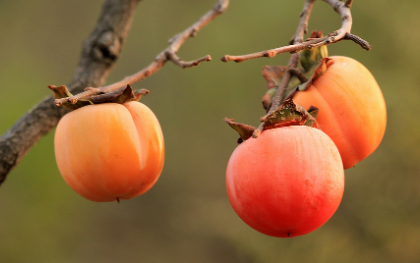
[343, 8]
[297, 73]
[346, 20]
[178, 61]
[303, 24]
[281, 90]
[99, 54]
[294, 59]
[358, 40]
[169, 53]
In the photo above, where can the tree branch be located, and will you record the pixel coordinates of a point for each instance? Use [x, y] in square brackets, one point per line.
[293, 62]
[169, 53]
[343, 8]
[294, 59]
[99, 54]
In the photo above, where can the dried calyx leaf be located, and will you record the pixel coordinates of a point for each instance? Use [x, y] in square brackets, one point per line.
[268, 98]
[244, 130]
[121, 95]
[273, 75]
[62, 92]
[288, 114]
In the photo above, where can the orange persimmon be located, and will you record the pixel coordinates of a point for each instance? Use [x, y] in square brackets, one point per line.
[110, 151]
[352, 108]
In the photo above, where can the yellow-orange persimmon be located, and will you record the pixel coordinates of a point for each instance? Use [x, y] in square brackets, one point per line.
[352, 108]
[110, 151]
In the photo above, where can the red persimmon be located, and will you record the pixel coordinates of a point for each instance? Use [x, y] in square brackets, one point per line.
[287, 182]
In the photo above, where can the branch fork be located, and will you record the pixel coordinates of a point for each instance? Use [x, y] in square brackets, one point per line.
[297, 44]
[273, 102]
[169, 54]
[99, 54]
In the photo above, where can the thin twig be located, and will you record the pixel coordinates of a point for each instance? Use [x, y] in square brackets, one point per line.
[178, 61]
[281, 90]
[293, 62]
[168, 54]
[298, 74]
[358, 40]
[343, 8]
[294, 59]
[303, 24]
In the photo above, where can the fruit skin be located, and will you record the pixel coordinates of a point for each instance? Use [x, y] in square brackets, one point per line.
[110, 151]
[287, 182]
[352, 108]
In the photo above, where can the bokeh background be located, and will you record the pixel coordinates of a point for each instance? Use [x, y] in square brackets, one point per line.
[186, 217]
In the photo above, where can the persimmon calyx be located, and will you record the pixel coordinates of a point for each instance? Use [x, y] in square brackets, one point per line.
[315, 72]
[121, 95]
[314, 64]
[289, 113]
[273, 75]
[245, 131]
[62, 92]
[310, 58]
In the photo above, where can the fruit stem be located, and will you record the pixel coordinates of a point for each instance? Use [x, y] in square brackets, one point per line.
[281, 90]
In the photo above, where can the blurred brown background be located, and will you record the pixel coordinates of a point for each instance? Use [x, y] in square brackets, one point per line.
[186, 217]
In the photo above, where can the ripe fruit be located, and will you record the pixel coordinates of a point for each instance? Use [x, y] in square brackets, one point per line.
[352, 108]
[287, 182]
[110, 151]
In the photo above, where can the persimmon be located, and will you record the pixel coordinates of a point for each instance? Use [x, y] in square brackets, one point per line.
[287, 182]
[352, 108]
[110, 151]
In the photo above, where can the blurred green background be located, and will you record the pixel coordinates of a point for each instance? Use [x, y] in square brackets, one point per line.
[186, 217]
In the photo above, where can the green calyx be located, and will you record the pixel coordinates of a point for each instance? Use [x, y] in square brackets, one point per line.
[315, 72]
